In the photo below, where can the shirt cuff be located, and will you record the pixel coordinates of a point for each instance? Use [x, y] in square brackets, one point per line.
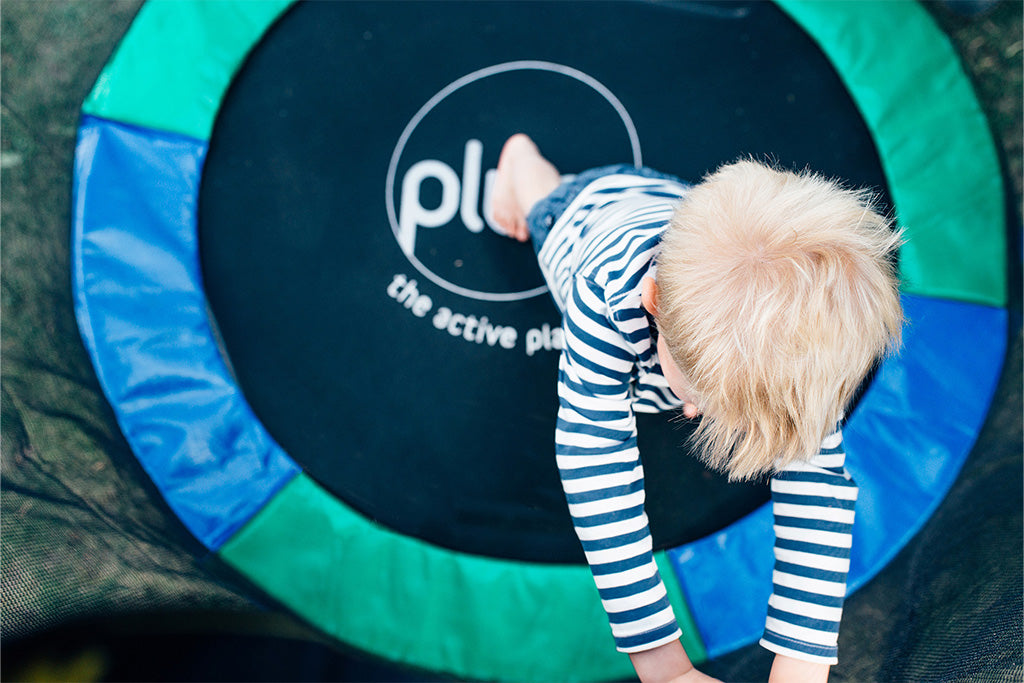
[797, 649]
[648, 640]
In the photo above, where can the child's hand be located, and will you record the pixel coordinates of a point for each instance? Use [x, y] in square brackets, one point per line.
[667, 664]
[694, 676]
[791, 670]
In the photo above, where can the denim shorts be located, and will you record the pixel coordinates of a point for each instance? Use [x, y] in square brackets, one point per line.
[545, 212]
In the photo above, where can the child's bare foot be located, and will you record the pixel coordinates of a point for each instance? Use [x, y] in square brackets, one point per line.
[505, 209]
[523, 178]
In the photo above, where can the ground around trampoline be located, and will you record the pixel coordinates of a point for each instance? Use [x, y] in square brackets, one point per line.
[58, 433]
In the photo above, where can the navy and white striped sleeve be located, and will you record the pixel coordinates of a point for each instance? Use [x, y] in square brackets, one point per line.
[813, 505]
[601, 474]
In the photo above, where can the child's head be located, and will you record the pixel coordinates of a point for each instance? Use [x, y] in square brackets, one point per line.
[776, 295]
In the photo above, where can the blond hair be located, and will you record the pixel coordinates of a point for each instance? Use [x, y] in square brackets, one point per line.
[777, 293]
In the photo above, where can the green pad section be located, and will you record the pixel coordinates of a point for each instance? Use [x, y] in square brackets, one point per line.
[933, 139]
[412, 602]
[173, 67]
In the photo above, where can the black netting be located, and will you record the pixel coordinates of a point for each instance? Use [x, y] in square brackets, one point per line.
[83, 531]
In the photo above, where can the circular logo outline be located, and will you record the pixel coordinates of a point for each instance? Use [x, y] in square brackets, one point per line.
[519, 65]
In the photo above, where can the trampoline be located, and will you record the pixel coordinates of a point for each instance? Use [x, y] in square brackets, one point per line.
[342, 381]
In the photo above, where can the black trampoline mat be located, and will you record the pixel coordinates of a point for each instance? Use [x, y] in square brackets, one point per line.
[392, 345]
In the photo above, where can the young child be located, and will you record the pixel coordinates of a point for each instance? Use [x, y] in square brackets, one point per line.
[758, 299]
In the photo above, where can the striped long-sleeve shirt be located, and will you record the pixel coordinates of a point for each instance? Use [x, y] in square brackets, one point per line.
[594, 258]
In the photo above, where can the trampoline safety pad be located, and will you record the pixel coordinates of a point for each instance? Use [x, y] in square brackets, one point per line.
[343, 381]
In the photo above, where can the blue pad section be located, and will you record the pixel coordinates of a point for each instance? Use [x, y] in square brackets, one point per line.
[905, 445]
[142, 313]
